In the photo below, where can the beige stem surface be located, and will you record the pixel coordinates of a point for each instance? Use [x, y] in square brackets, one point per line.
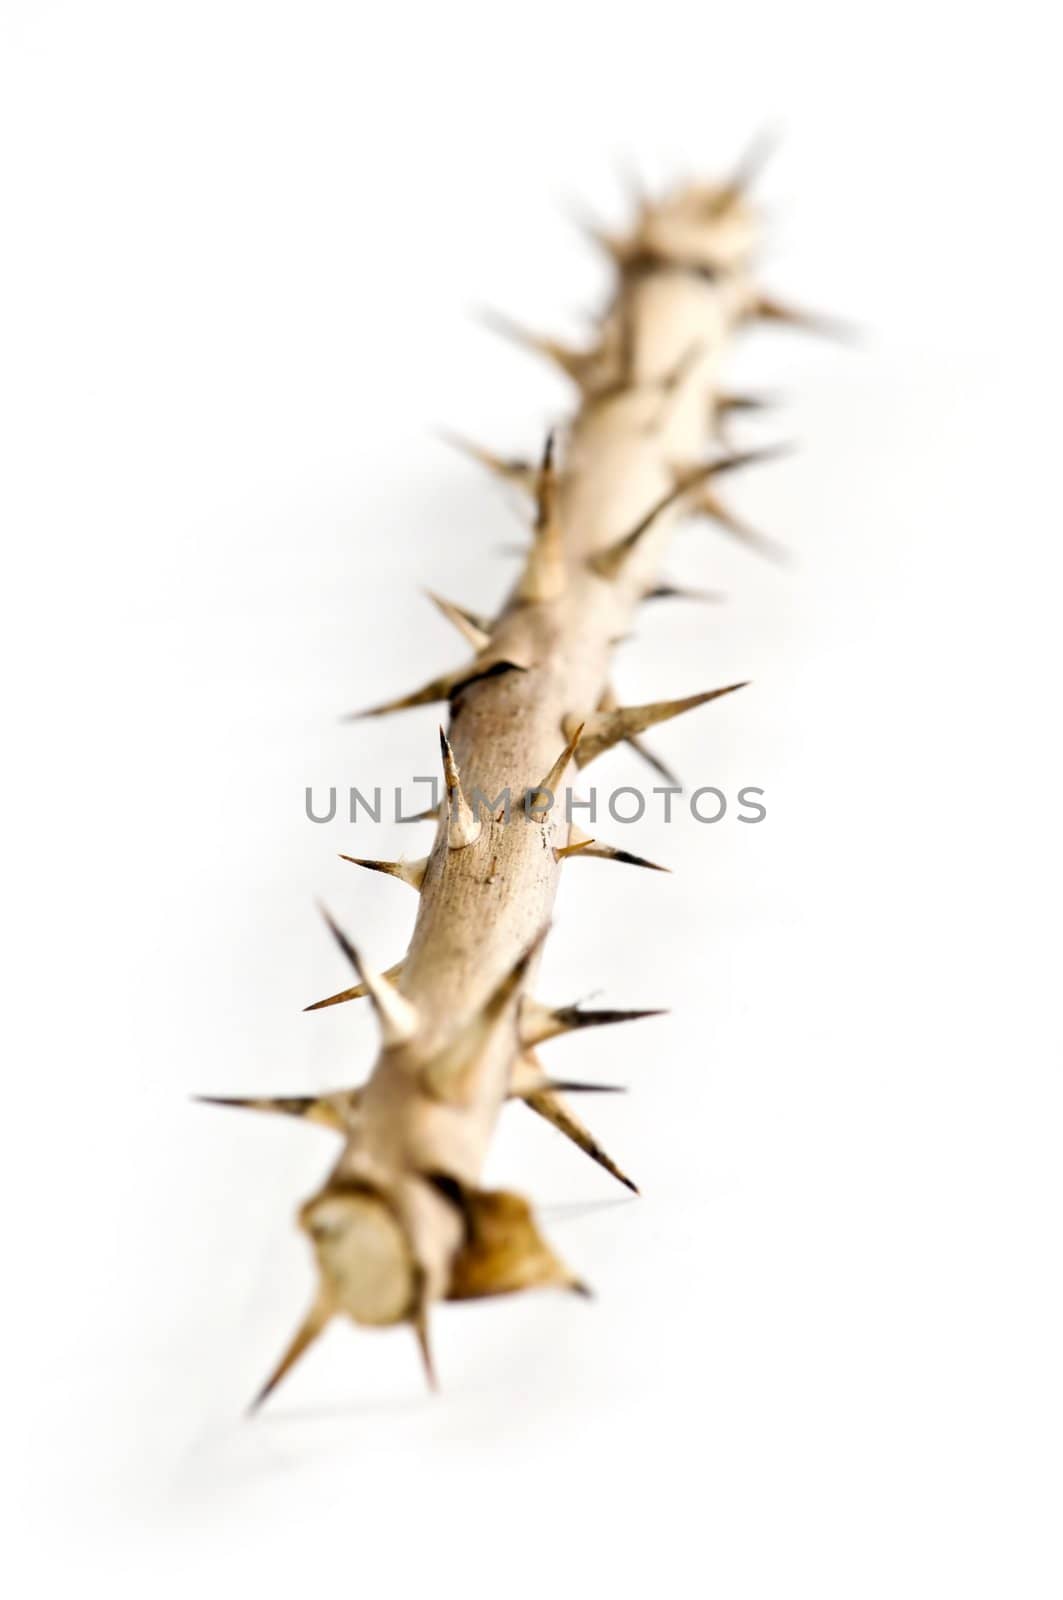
[648, 391]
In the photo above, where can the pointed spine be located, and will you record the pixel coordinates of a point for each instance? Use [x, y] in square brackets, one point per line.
[419, 1323]
[676, 591]
[411, 872]
[608, 563]
[445, 687]
[358, 991]
[449, 1075]
[711, 506]
[309, 1331]
[549, 786]
[553, 1110]
[543, 578]
[609, 702]
[603, 729]
[397, 1017]
[525, 1081]
[474, 629]
[539, 1023]
[462, 827]
[511, 469]
[583, 845]
[767, 308]
[573, 363]
[736, 188]
[335, 1110]
[436, 689]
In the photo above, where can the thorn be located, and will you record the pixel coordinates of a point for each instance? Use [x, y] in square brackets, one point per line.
[617, 247]
[662, 768]
[340, 938]
[627, 353]
[672, 382]
[290, 1106]
[673, 379]
[607, 852]
[745, 174]
[474, 629]
[613, 245]
[573, 363]
[603, 729]
[548, 1106]
[734, 462]
[326, 1110]
[544, 573]
[509, 984]
[675, 591]
[447, 687]
[526, 1074]
[512, 469]
[440, 688]
[608, 702]
[311, 1328]
[557, 771]
[538, 1023]
[420, 1328]
[723, 408]
[358, 992]
[766, 308]
[546, 485]
[397, 1017]
[578, 1086]
[514, 978]
[527, 1077]
[635, 189]
[462, 827]
[608, 562]
[726, 404]
[411, 872]
[446, 1076]
[710, 505]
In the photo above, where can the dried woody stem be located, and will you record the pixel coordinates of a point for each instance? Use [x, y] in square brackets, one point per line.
[401, 1221]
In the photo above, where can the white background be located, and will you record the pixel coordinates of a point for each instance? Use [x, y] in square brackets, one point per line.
[242, 244]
